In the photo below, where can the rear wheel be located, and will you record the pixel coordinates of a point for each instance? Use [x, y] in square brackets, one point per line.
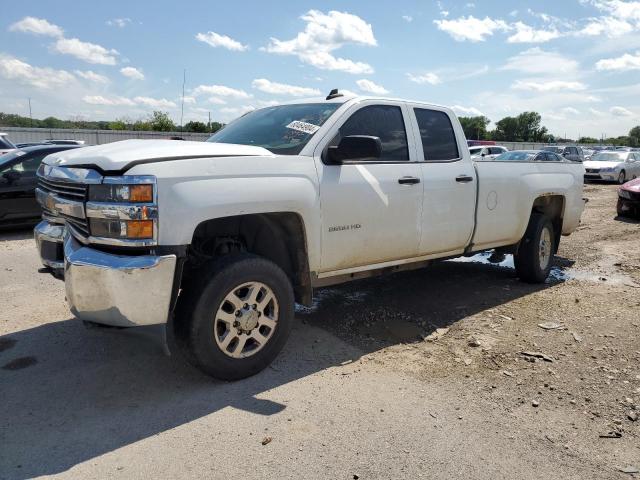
[534, 256]
[234, 320]
[622, 178]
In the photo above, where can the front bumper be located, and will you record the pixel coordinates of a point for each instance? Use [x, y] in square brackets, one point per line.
[117, 290]
[606, 176]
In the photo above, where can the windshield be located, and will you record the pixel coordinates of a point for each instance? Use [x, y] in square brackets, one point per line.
[283, 129]
[5, 143]
[515, 156]
[553, 149]
[475, 151]
[609, 157]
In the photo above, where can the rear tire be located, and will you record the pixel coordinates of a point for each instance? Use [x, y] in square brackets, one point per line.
[534, 256]
[236, 317]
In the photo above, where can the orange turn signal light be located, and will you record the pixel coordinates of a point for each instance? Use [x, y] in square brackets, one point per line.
[140, 229]
[141, 193]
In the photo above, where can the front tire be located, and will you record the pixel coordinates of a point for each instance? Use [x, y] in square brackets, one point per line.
[622, 178]
[534, 256]
[235, 318]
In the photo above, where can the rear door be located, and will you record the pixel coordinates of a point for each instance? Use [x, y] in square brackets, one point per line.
[449, 182]
[371, 210]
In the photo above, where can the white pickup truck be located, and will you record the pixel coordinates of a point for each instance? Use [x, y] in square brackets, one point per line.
[224, 236]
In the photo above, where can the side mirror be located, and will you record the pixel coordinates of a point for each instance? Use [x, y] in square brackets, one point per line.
[355, 147]
[483, 155]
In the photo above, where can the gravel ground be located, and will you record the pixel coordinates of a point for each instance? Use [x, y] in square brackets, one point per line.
[439, 373]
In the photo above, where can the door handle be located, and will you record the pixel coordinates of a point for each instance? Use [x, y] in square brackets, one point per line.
[408, 180]
[464, 179]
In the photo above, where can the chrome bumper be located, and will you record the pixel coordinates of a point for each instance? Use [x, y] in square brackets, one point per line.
[48, 238]
[117, 290]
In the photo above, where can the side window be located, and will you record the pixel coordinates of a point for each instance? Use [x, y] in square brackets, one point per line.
[384, 122]
[438, 138]
[496, 150]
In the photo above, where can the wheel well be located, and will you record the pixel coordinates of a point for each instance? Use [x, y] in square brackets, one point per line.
[279, 237]
[553, 207]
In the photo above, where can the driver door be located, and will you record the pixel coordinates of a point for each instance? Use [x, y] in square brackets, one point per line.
[371, 209]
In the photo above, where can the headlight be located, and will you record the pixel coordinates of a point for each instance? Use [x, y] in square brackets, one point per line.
[121, 193]
[605, 170]
[123, 209]
[624, 194]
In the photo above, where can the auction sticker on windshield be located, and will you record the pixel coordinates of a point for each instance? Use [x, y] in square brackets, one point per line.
[304, 127]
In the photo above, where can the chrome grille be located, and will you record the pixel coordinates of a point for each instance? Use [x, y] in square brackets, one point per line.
[71, 191]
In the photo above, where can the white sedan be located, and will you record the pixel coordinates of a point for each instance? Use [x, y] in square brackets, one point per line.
[613, 166]
[486, 152]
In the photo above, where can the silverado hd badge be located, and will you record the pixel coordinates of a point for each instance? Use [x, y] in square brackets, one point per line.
[340, 228]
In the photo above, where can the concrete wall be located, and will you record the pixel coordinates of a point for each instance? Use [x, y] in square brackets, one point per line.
[91, 137]
[96, 137]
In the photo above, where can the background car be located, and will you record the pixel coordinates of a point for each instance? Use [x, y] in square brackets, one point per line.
[54, 141]
[18, 183]
[613, 166]
[529, 156]
[571, 152]
[629, 199]
[5, 145]
[487, 152]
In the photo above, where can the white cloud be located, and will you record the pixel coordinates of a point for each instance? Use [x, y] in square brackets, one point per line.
[88, 52]
[571, 111]
[371, 87]
[216, 101]
[548, 86]
[471, 28]
[118, 22]
[216, 40]
[538, 61]
[620, 112]
[37, 26]
[407, 18]
[115, 101]
[109, 101]
[189, 100]
[92, 76]
[132, 72]
[154, 102]
[609, 26]
[624, 63]
[527, 34]
[274, 88]
[429, 77]
[466, 111]
[323, 34]
[16, 70]
[220, 91]
[232, 112]
[595, 112]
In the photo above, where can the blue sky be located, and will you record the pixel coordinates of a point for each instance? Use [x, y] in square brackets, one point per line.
[577, 62]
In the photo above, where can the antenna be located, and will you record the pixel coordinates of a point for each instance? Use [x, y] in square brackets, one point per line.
[184, 80]
[30, 117]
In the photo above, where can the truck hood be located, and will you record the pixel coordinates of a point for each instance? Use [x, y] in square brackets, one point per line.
[590, 164]
[120, 156]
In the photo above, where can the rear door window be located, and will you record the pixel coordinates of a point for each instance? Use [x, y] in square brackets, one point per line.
[439, 142]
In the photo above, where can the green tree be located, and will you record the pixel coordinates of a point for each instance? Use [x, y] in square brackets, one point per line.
[525, 127]
[161, 122]
[634, 136]
[475, 127]
[118, 124]
[588, 140]
[194, 126]
[506, 130]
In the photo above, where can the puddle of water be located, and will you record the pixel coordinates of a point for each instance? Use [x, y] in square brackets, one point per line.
[557, 274]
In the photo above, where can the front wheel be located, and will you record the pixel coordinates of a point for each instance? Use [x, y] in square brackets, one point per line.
[234, 321]
[622, 178]
[534, 256]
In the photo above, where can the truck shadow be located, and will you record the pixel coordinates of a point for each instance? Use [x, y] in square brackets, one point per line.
[9, 233]
[72, 394]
